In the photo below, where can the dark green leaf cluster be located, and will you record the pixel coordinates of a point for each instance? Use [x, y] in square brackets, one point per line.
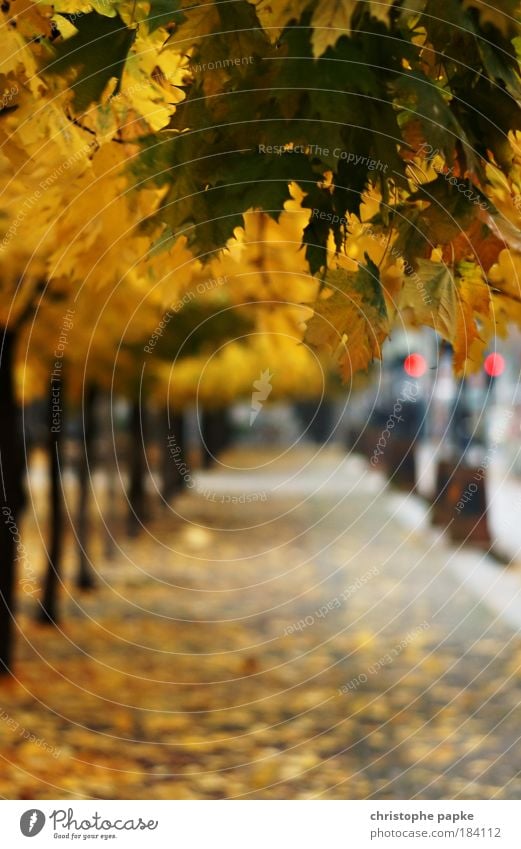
[439, 76]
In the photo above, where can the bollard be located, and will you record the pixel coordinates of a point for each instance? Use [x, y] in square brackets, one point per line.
[442, 510]
[468, 497]
[400, 463]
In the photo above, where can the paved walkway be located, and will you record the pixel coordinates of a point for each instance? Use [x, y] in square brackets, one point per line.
[289, 633]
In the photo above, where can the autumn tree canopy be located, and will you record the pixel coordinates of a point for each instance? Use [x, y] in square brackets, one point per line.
[136, 134]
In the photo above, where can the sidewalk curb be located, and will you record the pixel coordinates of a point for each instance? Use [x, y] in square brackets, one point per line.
[493, 585]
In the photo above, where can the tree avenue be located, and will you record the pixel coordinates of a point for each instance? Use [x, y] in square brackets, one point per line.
[341, 167]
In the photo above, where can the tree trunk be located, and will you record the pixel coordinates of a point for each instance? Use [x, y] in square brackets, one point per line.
[107, 447]
[85, 578]
[174, 462]
[110, 516]
[49, 603]
[137, 461]
[11, 497]
[215, 433]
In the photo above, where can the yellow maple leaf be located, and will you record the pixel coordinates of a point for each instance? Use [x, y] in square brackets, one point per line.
[489, 13]
[474, 302]
[429, 298]
[331, 19]
[275, 15]
[381, 10]
[351, 319]
[199, 21]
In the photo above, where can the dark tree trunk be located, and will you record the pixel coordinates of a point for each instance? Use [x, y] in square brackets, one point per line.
[7, 549]
[215, 433]
[107, 446]
[174, 461]
[85, 578]
[137, 468]
[111, 515]
[49, 602]
[11, 497]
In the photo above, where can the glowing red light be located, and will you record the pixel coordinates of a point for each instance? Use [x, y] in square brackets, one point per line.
[494, 365]
[415, 365]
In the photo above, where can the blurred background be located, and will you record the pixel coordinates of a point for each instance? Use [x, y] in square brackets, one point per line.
[271, 588]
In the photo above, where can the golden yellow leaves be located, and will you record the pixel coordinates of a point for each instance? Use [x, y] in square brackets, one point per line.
[381, 9]
[149, 90]
[473, 327]
[331, 19]
[353, 316]
[505, 278]
[32, 19]
[351, 319]
[275, 15]
[199, 20]
[456, 304]
[265, 261]
[17, 58]
[490, 13]
[429, 298]
[81, 7]
[505, 275]
[263, 279]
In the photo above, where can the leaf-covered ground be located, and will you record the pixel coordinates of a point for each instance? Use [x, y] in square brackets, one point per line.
[186, 674]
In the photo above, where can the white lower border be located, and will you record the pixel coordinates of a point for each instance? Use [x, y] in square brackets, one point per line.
[261, 824]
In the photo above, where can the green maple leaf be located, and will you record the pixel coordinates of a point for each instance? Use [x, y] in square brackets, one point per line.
[432, 296]
[352, 322]
[164, 12]
[96, 53]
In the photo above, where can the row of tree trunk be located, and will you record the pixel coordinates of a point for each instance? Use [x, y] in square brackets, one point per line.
[215, 435]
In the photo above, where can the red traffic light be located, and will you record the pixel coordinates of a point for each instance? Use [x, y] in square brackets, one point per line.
[415, 365]
[494, 365]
